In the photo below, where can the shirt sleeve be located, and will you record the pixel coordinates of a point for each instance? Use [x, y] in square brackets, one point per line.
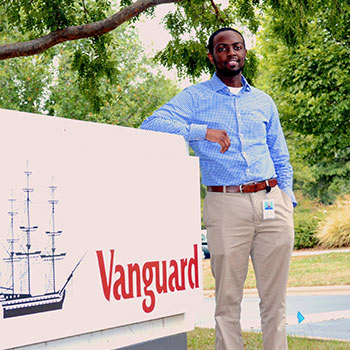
[279, 154]
[175, 117]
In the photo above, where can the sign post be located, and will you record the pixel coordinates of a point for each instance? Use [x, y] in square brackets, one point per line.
[100, 232]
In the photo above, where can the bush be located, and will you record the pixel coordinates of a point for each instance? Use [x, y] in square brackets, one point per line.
[307, 216]
[305, 228]
[334, 231]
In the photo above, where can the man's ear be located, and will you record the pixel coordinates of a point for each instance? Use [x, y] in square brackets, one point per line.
[211, 58]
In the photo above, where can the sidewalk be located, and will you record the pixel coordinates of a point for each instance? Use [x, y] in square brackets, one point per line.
[319, 290]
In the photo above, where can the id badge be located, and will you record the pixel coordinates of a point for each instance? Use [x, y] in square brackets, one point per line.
[268, 209]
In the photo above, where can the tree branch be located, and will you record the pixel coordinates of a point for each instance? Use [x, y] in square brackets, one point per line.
[217, 12]
[43, 43]
[85, 10]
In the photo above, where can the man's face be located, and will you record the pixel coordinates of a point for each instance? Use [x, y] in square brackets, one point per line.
[228, 53]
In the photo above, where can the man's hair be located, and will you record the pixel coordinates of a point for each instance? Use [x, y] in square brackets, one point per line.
[211, 39]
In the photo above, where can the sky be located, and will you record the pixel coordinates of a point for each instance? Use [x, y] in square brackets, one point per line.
[155, 37]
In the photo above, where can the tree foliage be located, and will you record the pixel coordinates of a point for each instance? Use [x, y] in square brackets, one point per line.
[304, 66]
[310, 82]
[48, 84]
[43, 24]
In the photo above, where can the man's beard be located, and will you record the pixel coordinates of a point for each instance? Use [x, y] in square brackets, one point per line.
[227, 72]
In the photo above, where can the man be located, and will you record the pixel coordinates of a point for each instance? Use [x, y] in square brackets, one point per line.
[235, 131]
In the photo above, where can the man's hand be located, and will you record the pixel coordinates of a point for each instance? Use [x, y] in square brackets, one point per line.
[219, 136]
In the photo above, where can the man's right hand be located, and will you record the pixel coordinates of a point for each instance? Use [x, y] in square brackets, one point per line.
[219, 136]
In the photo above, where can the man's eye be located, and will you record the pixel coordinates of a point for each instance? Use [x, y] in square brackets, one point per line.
[238, 48]
[222, 49]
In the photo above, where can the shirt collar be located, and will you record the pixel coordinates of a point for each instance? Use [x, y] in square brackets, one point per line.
[217, 84]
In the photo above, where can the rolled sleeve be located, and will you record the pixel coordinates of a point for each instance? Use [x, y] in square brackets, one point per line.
[197, 132]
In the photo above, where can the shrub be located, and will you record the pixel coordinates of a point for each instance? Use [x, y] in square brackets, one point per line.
[305, 228]
[334, 231]
[307, 216]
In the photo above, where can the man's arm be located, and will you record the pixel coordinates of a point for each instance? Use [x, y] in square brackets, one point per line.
[175, 117]
[279, 154]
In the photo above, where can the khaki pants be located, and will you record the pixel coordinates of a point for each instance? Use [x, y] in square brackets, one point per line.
[236, 229]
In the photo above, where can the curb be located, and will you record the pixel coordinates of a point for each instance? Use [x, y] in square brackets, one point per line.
[319, 252]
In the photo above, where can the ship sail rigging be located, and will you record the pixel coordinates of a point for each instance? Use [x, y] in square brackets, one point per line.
[19, 303]
[53, 234]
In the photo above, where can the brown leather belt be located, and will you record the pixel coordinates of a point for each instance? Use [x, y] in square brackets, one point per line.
[248, 188]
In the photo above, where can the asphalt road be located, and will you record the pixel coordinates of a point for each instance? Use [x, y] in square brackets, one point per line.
[326, 316]
[326, 310]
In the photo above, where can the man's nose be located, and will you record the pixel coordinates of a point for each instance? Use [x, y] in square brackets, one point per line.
[231, 51]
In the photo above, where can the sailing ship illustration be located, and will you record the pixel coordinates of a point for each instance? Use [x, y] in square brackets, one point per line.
[19, 303]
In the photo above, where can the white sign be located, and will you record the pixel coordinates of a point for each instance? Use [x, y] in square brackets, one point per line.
[99, 227]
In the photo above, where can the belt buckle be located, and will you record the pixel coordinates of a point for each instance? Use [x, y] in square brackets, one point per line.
[246, 184]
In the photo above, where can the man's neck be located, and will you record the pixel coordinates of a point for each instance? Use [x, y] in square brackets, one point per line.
[235, 81]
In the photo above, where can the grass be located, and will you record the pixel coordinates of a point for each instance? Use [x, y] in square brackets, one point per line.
[320, 270]
[204, 339]
[305, 271]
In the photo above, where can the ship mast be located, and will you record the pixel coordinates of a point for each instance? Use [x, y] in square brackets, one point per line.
[28, 229]
[12, 241]
[53, 233]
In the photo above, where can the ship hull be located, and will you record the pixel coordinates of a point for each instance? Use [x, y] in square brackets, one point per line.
[21, 306]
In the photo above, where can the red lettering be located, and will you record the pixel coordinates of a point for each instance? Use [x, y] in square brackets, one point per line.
[147, 276]
[173, 276]
[183, 265]
[119, 284]
[153, 280]
[161, 288]
[193, 263]
[131, 269]
[106, 286]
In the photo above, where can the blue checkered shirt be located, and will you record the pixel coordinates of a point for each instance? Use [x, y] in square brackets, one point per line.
[258, 148]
